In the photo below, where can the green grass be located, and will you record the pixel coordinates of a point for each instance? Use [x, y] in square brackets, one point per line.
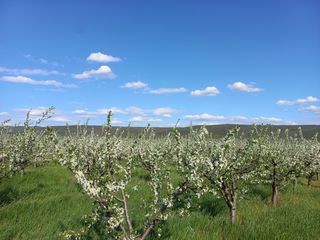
[47, 200]
[41, 204]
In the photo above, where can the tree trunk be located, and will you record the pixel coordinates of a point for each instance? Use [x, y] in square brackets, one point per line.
[275, 189]
[275, 195]
[309, 181]
[317, 176]
[295, 183]
[147, 231]
[233, 208]
[232, 214]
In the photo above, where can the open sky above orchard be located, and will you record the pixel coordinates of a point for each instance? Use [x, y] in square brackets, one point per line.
[159, 61]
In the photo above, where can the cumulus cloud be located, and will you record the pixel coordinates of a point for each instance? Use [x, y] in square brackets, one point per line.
[311, 108]
[309, 99]
[208, 91]
[204, 117]
[26, 71]
[102, 58]
[26, 80]
[101, 72]
[164, 112]
[167, 90]
[137, 84]
[144, 119]
[244, 87]
[38, 111]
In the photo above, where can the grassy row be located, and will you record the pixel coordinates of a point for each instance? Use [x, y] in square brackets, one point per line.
[47, 200]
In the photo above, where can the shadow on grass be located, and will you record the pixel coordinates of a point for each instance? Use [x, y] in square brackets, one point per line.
[259, 191]
[8, 195]
[211, 206]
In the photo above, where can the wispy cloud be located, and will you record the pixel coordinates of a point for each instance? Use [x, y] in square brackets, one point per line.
[208, 91]
[135, 110]
[311, 108]
[244, 87]
[36, 113]
[137, 84]
[4, 114]
[101, 72]
[60, 119]
[42, 61]
[236, 119]
[309, 99]
[164, 112]
[26, 71]
[167, 90]
[26, 80]
[268, 120]
[132, 110]
[103, 111]
[102, 58]
[144, 119]
[209, 117]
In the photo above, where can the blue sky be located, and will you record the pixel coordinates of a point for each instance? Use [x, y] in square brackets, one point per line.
[158, 61]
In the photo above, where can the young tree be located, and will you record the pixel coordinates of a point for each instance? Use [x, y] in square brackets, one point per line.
[4, 137]
[229, 167]
[103, 168]
[24, 148]
[279, 163]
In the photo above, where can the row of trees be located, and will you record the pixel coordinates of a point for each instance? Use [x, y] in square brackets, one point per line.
[177, 169]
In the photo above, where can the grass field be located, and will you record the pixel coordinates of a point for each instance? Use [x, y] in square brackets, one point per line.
[47, 200]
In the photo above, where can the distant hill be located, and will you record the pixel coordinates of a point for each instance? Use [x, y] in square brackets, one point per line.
[215, 130]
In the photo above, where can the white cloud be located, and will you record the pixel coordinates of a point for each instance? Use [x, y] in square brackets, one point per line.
[4, 114]
[272, 120]
[268, 119]
[164, 112]
[59, 119]
[144, 119]
[26, 80]
[167, 90]
[26, 71]
[116, 121]
[114, 110]
[204, 117]
[137, 84]
[42, 60]
[208, 91]
[103, 58]
[243, 87]
[209, 117]
[104, 111]
[38, 111]
[154, 119]
[101, 72]
[134, 110]
[309, 99]
[311, 108]
[84, 113]
[137, 119]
